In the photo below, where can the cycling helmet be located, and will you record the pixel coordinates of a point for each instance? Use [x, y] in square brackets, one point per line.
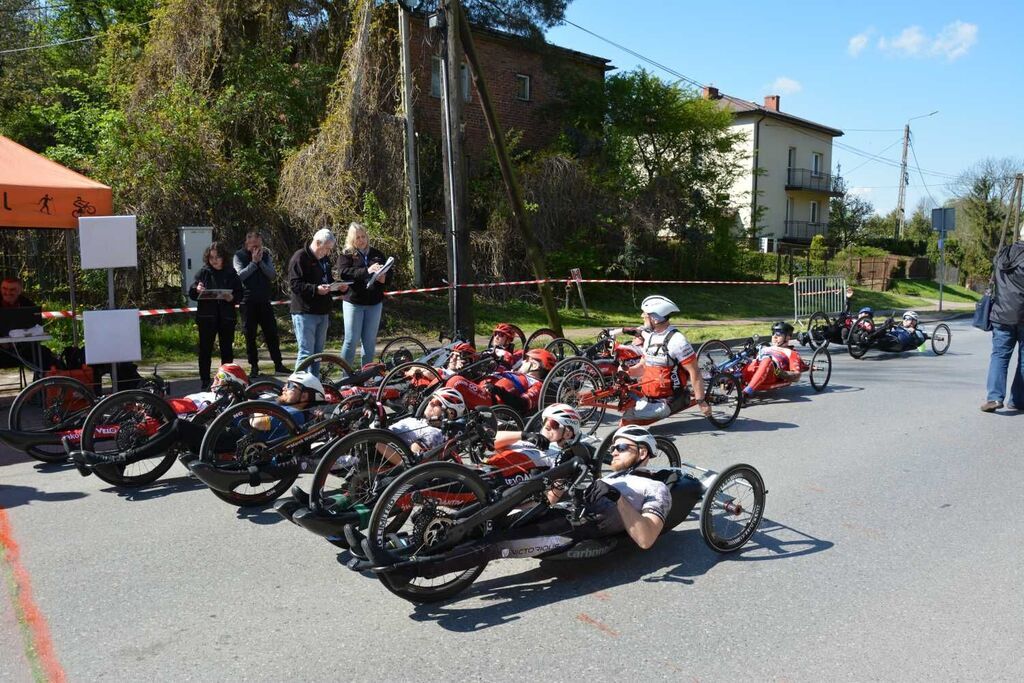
[638, 435]
[466, 349]
[658, 307]
[867, 310]
[546, 359]
[230, 374]
[782, 327]
[911, 315]
[566, 416]
[505, 329]
[310, 382]
[451, 399]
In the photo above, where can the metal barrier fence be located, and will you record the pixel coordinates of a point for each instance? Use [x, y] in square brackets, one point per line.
[818, 293]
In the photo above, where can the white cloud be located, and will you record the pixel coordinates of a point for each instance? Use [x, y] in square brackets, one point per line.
[861, 191]
[953, 41]
[784, 85]
[857, 43]
[909, 42]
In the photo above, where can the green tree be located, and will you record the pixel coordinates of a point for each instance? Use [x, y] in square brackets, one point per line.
[848, 215]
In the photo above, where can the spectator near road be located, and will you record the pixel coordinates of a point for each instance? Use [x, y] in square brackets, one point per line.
[255, 267]
[1007, 316]
[215, 317]
[309, 281]
[359, 264]
[11, 294]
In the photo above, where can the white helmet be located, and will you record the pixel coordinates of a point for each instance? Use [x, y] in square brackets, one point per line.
[451, 399]
[658, 306]
[566, 416]
[309, 381]
[638, 435]
[911, 315]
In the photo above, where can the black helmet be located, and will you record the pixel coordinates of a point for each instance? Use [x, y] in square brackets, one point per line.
[782, 327]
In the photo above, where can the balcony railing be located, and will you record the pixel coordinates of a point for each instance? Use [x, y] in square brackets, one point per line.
[804, 230]
[806, 179]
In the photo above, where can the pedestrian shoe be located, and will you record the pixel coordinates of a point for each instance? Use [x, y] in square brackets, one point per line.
[254, 370]
[990, 406]
[280, 369]
[1011, 406]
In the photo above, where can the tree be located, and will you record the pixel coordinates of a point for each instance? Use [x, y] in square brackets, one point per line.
[848, 214]
[982, 197]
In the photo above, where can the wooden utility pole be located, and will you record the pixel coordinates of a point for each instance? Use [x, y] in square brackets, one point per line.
[901, 201]
[411, 170]
[512, 188]
[454, 159]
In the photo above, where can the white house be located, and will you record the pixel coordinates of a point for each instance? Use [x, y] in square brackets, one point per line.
[788, 199]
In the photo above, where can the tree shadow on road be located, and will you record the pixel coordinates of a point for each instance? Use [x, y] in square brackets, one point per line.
[13, 496]
[679, 557]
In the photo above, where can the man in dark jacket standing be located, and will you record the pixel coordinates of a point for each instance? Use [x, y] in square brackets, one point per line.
[1007, 318]
[255, 268]
[309, 281]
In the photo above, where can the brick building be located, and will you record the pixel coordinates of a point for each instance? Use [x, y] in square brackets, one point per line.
[521, 77]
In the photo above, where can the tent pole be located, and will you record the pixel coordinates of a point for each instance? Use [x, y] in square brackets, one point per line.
[69, 235]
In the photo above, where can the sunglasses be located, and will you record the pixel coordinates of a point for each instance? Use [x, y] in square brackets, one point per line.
[294, 385]
[622, 447]
[552, 424]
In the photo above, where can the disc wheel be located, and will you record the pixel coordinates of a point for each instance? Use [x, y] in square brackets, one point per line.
[941, 338]
[333, 368]
[520, 335]
[356, 470]
[711, 355]
[732, 508]
[540, 339]
[410, 521]
[240, 438]
[572, 381]
[666, 456]
[402, 350]
[52, 404]
[562, 348]
[405, 387]
[265, 388]
[857, 343]
[818, 327]
[722, 392]
[126, 422]
[821, 368]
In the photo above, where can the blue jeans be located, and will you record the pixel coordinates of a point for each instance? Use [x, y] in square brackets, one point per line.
[361, 322]
[311, 334]
[1004, 338]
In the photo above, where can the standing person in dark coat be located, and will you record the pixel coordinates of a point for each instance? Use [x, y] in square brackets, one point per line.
[255, 267]
[359, 263]
[1007, 316]
[215, 317]
[309, 281]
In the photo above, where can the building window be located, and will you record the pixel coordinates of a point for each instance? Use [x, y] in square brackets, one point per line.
[792, 158]
[814, 212]
[523, 87]
[816, 163]
[435, 79]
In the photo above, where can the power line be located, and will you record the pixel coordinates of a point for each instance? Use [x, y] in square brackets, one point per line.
[918, 165]
[67, 42]
[848, 173]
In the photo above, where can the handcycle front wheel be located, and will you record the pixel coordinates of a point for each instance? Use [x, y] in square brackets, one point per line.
[666, 455]
[818, 327]
[941, 338]
[411, 518]
[406, 387]
[263, 388]
[50, 404]
[562, 348]
[711, 355]
[333, 368]
[540, 339]
[402, 350]
[722, 393]
[732, 508]
[574, 381]
[857, 342]
[820, 370]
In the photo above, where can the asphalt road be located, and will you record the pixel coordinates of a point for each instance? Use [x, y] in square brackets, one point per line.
[890, 550]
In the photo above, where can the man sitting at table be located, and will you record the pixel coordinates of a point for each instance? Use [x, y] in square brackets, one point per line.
[11, 294]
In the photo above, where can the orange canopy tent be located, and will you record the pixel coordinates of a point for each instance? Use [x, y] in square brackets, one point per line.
[39, 193]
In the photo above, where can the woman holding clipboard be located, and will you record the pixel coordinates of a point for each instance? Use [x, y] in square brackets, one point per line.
[367, 269]
[216, 290]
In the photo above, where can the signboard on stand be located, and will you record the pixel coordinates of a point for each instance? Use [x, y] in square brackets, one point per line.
[112, 336]
[943, 220]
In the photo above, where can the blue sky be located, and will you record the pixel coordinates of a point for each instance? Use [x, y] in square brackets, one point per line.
[863, 65]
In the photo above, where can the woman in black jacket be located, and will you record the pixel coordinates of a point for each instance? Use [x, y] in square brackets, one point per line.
[360, 264]
[215, 317]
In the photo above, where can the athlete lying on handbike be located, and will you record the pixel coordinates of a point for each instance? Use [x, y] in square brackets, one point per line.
[775, 362]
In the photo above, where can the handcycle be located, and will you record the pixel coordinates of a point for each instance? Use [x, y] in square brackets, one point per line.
[406, 349]
[715, 356]
[823, 329]
[865, 334]
[598, 380]
[437, 526]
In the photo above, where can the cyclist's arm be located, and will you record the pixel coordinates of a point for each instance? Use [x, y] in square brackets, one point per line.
[506, 439]
[643, 527]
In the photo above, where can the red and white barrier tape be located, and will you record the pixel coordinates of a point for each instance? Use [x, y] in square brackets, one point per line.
[146, 312]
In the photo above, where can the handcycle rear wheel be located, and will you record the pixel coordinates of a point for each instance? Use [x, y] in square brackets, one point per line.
[234, 443]
[46, 404]
[818, 327]
[820, 368]
[562, 348]
[710, 357]
[722, 392]
[540, 339]
[410, 520]
[333, 368]
[402, 350]
[570, 381]
[126, 421]
[941, 338]
[732, 508]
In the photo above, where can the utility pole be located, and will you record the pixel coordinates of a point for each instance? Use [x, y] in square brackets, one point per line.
[411, 169]
[901, 201]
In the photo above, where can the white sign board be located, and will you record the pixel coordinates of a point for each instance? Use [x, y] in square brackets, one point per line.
[112, 336]
[108, 242]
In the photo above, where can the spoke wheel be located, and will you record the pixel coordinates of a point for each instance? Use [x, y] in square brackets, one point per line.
[402, 350]
[50, 404]
[857, 343]
[941, 338]
[571, 381]
[265, 388]
[711, 356]
[722, 392]
[821, 368]
[666, 456]
[401, 395]
[356, 470]
[540, 339]
[732, 508]
[240, 437]
[333, 368]
[410, 521]
[562, 348]
[818, 330]
[125, 422]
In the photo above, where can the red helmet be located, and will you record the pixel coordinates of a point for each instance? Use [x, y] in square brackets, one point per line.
[505, 329]
[546, 359]
[230, 373]
[466, 349]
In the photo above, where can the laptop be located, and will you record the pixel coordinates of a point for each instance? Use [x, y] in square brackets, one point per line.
[19, 318]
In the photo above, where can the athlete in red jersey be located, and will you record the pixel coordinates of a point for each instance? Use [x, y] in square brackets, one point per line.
[779, 359]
